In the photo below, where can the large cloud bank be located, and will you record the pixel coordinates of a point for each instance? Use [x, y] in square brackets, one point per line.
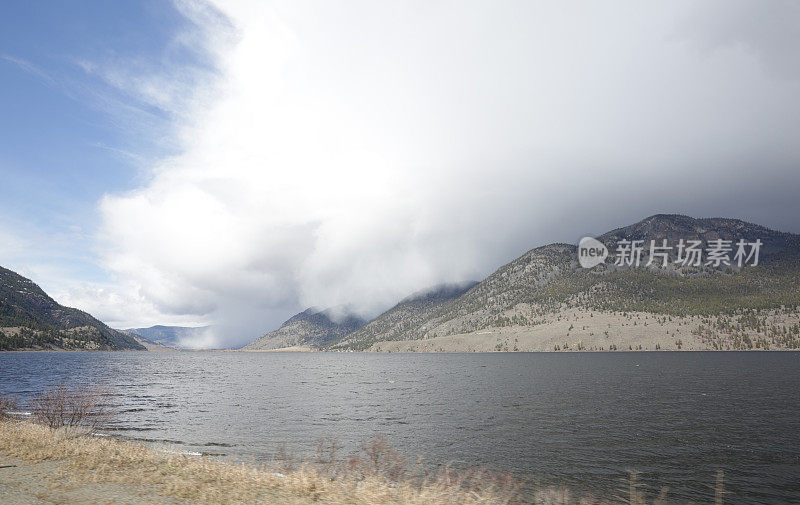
[350, 153]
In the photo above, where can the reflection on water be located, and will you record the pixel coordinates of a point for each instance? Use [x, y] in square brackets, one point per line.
[577, 419]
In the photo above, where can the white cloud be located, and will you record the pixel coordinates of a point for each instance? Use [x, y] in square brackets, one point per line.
[355, 152]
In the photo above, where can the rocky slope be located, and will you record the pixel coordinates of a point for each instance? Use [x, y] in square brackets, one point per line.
[30, 319]
[311, 328]
[544, 300]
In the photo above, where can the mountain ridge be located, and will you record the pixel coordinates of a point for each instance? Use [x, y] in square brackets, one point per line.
[411, 309]
[311, 328]
[31, 319]
[520, 302]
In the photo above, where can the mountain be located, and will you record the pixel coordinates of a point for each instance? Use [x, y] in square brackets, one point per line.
[405, 319]
[544, 300]
[175, 337]
[30, 319]
[310, 328]
[151, 345]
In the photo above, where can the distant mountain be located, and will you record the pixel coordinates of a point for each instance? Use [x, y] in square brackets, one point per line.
[151, 345]
[405, 319]
[176, 337]
[544, 300]
[311, 328]
[30, 319]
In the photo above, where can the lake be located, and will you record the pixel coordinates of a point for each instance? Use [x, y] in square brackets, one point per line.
[575, 419]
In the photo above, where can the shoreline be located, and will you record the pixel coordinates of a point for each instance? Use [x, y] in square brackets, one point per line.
[43, 466]
[324, 351]
[40, 465]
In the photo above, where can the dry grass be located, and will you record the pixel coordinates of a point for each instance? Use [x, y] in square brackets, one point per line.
[200, 480]
[377, 475]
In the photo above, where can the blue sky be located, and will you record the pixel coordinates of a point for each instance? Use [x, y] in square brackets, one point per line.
[233, 162]
[67, 136]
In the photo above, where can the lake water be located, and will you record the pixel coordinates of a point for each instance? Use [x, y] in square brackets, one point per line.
[577, 419]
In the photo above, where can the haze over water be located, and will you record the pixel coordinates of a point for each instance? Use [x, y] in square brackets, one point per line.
[575, 419]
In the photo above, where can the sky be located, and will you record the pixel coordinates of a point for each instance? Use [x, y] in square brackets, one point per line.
[232, 163]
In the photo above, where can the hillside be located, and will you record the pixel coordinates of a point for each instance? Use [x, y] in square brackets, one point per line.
[175, 337]
[544, 300]
[407, 317]
[151, 345]
[311, 328]
[30, 319]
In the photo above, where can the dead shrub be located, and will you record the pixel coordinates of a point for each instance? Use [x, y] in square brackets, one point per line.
[7, 404]
[503, 486]
[71, 407]
[326, 457]
[381, 459]
[326, 450]
[285, 459]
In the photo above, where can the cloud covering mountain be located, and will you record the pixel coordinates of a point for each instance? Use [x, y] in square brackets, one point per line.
[354, 152]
